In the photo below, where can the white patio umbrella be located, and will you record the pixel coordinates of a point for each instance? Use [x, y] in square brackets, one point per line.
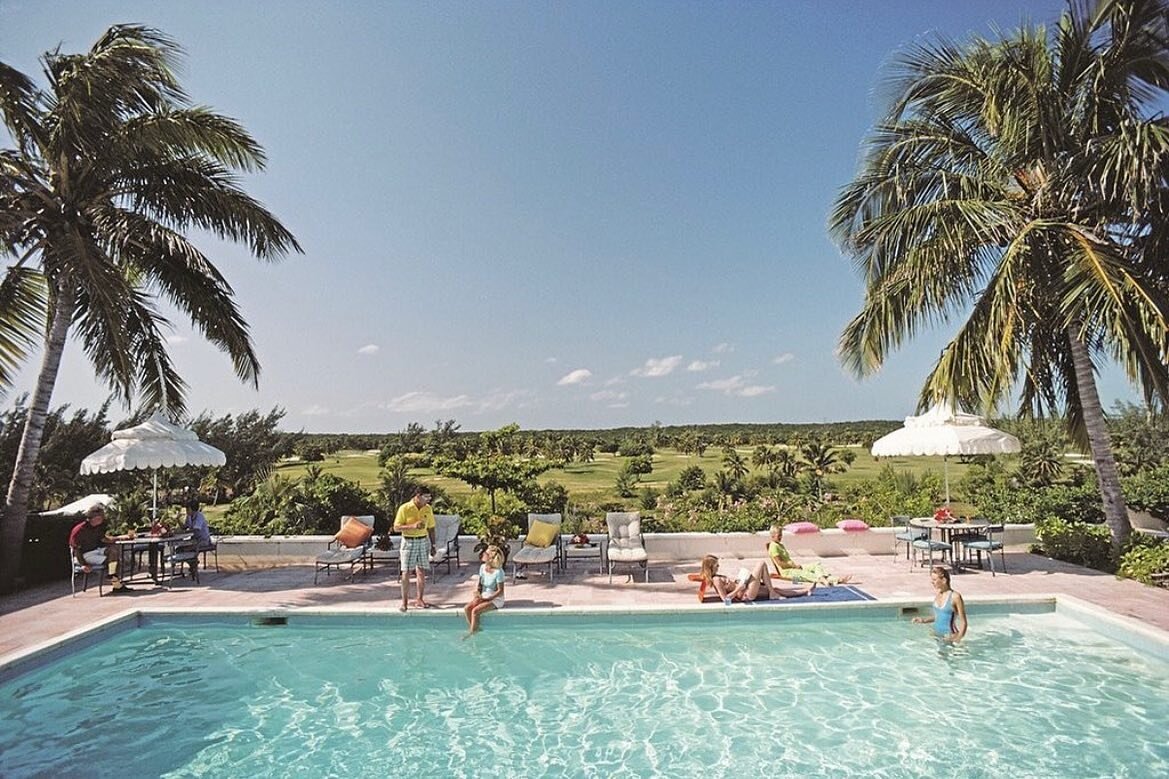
[156, 443]
[946, 432]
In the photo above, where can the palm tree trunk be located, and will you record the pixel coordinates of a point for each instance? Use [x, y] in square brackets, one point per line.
[1107, 475]
[16, 506]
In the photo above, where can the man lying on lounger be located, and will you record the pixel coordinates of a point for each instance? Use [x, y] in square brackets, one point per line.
[789, 569]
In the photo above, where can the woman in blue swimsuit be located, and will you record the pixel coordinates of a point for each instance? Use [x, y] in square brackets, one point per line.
[949, 620]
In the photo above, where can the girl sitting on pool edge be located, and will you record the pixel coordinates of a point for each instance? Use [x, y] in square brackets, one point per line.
[949, 619]
[747, 584]
[488, 587]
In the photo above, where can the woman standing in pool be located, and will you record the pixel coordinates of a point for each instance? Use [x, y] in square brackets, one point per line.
[949, 620]
[488, 589]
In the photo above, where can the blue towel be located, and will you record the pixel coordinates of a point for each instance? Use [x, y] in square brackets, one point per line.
[841, 593]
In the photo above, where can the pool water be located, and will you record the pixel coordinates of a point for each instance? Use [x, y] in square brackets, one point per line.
[1034, 694]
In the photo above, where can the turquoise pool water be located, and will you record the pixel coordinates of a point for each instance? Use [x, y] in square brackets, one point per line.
[1032, 694]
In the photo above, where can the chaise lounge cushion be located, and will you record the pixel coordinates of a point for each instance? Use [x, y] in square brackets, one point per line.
[541, 534]
[353, 533]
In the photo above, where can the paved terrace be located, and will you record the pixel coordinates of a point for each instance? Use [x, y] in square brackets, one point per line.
[43, 613]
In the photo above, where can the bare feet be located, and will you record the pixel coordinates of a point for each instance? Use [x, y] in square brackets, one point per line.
[423, 604]
[402, 607]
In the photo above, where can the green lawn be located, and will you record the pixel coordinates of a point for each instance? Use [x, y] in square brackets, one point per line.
[594, 481]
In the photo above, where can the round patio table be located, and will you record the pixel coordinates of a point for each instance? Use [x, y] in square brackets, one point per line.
[950, 533]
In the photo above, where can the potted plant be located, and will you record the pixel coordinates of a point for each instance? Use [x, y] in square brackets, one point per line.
[497, 531]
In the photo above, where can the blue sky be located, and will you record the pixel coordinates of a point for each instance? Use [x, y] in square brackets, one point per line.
[558, 214]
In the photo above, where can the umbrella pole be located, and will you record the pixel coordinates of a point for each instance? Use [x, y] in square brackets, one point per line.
[946, 476]
[154, 495]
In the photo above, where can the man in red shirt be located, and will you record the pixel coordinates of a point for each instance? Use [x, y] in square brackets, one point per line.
[92, 545]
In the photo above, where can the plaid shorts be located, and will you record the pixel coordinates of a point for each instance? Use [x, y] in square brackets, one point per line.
[416, 553]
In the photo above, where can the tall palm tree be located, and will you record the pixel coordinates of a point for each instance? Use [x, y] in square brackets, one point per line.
[111, 168]
[1020, 184]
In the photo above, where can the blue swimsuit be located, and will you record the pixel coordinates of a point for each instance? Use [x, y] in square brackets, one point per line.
[944, 616]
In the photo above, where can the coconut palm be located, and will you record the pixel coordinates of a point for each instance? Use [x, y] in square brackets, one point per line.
[1018, 186]
[111, 167]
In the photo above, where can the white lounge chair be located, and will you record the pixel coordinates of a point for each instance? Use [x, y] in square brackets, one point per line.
[541, 544]
[446, 540]
[348, 546]
[626, 544]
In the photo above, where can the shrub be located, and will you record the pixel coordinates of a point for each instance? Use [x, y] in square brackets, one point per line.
[1076, 542]
[1145, 557]
[1149, 491]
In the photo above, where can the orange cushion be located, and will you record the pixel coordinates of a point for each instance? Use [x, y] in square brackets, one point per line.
[353, 533]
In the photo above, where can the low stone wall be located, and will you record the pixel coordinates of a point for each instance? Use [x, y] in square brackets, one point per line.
[243, 552]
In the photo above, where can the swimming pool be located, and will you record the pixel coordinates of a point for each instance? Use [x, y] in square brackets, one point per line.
[721, 693]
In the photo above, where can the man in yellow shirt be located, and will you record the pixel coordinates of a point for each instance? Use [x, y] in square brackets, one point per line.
[415, 521]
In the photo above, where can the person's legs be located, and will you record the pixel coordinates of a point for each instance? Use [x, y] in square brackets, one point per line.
[480, 607]
[405, 587]
[470, 607]
[420, 585]
[112, 556]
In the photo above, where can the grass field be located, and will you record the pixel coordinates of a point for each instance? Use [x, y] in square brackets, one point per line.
[594, 481]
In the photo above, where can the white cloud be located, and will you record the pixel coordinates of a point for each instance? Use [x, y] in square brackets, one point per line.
[574, 377]
[608, 395]
[736, 386]
[615, 381]
[723, 348]
[551, 360]
[174, 339]
[702, 365]
[501, 399]
[422, 402]
[655, 366]
[314, 411]
[674, 400]
[369, 349]
[782, 358]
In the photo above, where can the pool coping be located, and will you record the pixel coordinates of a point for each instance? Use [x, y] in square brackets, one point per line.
[1141, 637]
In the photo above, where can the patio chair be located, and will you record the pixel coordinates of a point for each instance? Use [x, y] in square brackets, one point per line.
[928, 545]
[541, 544]
[446, 540]
[348, 546]
[212, 548]
[904, 533]
[626, 544]
[78, 570]
[184, 553]
[984, 541]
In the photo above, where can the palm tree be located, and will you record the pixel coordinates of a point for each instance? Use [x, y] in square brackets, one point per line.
[111, 167]
[763, 457]
[734, 464]
[1019, 183]
[820, 461]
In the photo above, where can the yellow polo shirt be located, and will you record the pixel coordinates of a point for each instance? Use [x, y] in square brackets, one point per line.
[408, 514]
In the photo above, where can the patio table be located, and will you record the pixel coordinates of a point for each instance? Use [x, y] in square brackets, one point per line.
[154, 547]
[950, 533]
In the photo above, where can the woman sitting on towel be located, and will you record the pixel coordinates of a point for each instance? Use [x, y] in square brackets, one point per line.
[790, 569]
[747, 585]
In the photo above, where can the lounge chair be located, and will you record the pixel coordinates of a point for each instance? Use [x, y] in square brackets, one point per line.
[626, 544]
[348, 546]
[446, 540]
[184, 553]
[541, 544]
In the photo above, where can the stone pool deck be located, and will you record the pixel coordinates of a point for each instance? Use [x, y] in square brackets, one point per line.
[47, 612]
